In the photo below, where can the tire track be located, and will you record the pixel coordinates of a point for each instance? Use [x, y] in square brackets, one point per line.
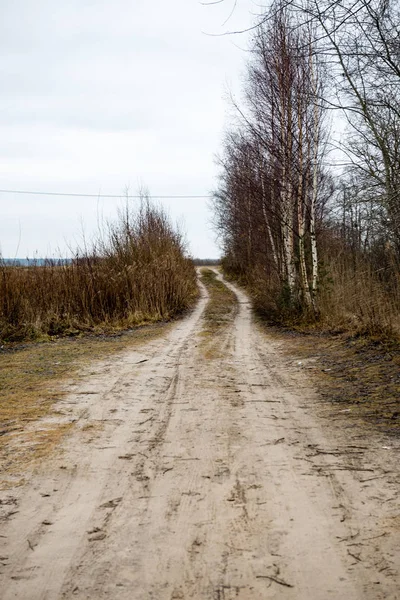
[208, 479]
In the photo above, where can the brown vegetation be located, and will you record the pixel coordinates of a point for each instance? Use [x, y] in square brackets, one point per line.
[135, 272]
[314, 246]
[359, 376]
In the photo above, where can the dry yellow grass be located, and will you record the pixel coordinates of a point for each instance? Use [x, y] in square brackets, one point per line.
[136, 271]
[30, 385]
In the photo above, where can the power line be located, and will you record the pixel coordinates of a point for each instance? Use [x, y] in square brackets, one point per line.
[32, 193]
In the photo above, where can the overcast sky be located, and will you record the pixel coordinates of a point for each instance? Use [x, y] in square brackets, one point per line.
[100, 95]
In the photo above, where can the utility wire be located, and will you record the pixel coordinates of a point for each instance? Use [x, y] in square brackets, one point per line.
[98, 195]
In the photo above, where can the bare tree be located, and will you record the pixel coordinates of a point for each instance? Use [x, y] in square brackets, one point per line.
[361, 40]
[273, 169]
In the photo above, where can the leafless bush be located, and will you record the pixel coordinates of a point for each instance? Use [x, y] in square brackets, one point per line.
[135, 271]
[312, 245]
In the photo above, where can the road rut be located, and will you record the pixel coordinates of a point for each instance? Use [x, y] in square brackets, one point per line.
[194, 478]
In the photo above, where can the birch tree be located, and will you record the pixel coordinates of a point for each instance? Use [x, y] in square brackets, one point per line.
[282, 125]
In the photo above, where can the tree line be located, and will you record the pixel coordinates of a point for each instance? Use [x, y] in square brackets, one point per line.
[310, 237]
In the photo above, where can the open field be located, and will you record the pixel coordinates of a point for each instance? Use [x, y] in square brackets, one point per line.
[206, 478]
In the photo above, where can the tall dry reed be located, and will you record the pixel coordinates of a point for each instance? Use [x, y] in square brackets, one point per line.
[358, 293]
[135, 271]
[359, 296]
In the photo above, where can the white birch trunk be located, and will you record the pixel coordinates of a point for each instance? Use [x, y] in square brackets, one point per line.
[314, 193]
[301, 218]
[288, 239]
[267, 223]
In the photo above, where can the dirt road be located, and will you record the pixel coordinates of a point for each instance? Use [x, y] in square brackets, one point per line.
[219, 478]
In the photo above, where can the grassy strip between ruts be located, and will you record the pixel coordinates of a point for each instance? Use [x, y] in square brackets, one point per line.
[219, 312]
[30, 378]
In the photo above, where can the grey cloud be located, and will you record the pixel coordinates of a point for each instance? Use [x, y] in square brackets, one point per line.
[95, 93]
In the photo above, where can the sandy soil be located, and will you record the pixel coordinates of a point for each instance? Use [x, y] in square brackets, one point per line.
[207, 479]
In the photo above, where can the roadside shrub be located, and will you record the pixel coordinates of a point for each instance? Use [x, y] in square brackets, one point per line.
[357, 293]
[136, 271]
[361, 297]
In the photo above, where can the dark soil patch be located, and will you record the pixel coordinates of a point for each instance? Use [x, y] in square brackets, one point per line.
[359, 375]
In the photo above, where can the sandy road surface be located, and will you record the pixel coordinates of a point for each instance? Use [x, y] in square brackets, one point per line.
[207, 479]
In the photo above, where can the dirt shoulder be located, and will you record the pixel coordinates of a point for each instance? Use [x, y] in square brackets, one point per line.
[32, 377]
[358, 376]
